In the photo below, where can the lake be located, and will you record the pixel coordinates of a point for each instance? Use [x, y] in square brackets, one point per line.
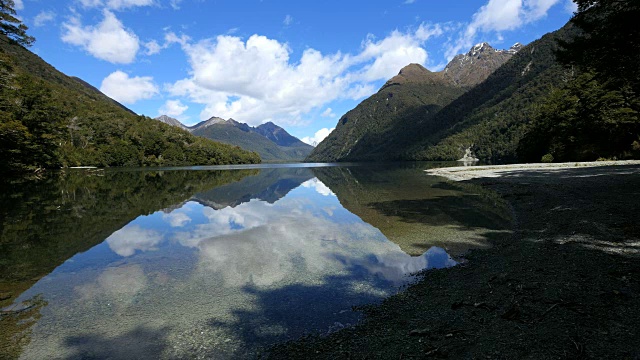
[220, 262]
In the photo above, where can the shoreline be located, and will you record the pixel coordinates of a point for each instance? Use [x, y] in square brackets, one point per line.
[460, 173]
[564, 285]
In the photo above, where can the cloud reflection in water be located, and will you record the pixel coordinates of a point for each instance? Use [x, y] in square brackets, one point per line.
[196, 269]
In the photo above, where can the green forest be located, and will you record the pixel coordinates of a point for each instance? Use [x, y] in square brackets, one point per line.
[595, 114]
[49, 120]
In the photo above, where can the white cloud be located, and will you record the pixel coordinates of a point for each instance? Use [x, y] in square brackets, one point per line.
[120, 87]
[175, 4]
[328, 112]
[127, 240]
[255, 80]
[18, 5]
[108, 40]
[116, 4]
[43, 17]
[172, 38]
[498, 16]
[318, 186]
[317, 137]
[288, 20]
[176, 219]
[395, 51]
[91, 3]
[153, 47]
[173, 108]
[409, 1]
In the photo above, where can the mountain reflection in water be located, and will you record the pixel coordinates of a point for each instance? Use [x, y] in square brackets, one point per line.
[227, 269]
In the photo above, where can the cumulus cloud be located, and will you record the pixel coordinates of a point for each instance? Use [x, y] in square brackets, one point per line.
[328, 112]
[128, 90]
[43, 17]
[18, 5]
[116, 4]
[317, 137]
[176, 219]
[498, 16]
[108, 40]
[127, 240]
[153, 47]
[173, 108]
[288, 20]
[255, 80]
[397, 48]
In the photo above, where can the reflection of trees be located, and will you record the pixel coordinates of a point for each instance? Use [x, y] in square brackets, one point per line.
[44, 223]
[15, 327]
[417, 211]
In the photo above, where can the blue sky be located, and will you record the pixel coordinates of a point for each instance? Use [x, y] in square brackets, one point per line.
[300, 64]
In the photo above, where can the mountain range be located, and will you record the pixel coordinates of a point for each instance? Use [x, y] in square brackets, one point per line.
[269, 140]
[371, 131]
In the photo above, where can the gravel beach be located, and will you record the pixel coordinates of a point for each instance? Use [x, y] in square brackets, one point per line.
[564, 284]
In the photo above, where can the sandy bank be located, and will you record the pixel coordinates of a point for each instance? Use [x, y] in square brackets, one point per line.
[460, 173]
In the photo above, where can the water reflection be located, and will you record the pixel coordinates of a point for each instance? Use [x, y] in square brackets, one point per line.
[417, 211]
[229, 267]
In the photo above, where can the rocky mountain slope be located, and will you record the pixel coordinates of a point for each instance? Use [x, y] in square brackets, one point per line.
[171, 121]
[270, 141]
[369, 132]
[475, 66]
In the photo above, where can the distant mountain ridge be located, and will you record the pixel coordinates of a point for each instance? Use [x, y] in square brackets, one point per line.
[269, 140]
[369, 131]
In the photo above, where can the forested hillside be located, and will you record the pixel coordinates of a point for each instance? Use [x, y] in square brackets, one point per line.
[492, 117]
[382, 124]
[363, 133]
[49, 120]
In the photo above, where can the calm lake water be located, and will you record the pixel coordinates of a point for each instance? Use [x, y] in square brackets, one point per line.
[219, 263]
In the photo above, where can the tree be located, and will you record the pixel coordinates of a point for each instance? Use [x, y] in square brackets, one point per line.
[12, 27]
[584, 121]
[609, 43]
